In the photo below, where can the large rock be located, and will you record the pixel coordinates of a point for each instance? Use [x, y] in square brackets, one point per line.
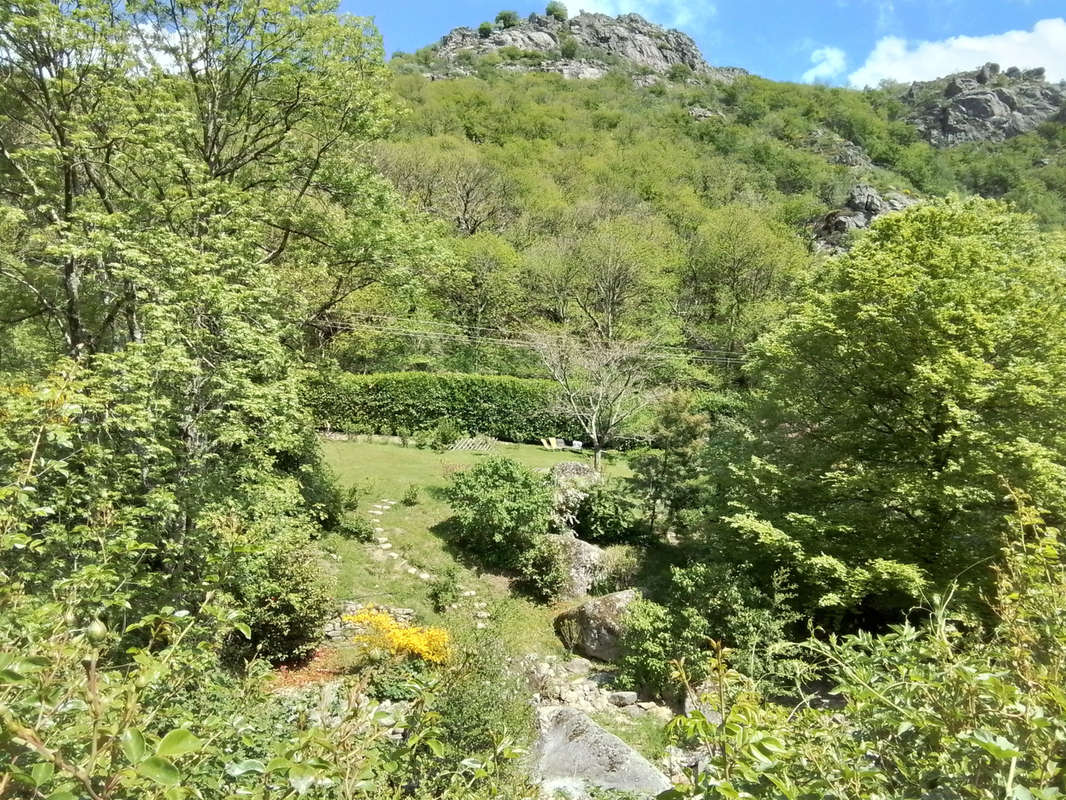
[595, 627]
[585, 564]
[984, 106]
[574, 755]
[629, 37]
[863, 206]
[571, 482]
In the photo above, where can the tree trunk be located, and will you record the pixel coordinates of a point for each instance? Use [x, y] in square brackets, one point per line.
[597, 458]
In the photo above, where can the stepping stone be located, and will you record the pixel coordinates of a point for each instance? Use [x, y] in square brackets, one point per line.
[412, 571]
[374, 512]
[469, 593]
[383, 540]
[480, 604]
[394, 555]
[385, 546]
[424, 576]
[379, 530]
[481, 615]
[480, 625]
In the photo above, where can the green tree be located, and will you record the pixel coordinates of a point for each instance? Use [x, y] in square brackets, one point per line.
[557, 10]
[917, 374]
[485, 29]
[507, 19]
[739, 271]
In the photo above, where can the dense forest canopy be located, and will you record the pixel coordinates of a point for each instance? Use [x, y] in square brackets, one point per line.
[820, 352]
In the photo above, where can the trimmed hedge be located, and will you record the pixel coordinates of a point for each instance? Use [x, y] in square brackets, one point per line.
[511, 409]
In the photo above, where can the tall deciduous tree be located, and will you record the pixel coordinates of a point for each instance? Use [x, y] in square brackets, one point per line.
[604, 384]
[922, 372]
[740, 268]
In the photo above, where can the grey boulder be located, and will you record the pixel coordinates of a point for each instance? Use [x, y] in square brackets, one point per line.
[595, 627]
[573, 755]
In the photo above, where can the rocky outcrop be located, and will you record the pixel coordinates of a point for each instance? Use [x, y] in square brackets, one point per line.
[864, 205]
[585, 564]
[593, 40]
[574, 756]
[571, 483]
[987, 105]
[594, 628]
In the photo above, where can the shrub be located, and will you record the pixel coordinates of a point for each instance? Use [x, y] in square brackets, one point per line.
[382, 632]
[500, 507]
[507, 19]
[930, 709]
[444, 434]
[411, 495]
[619, 571]
[557, 10]
[356, 528]
[444, 590]
[609, 514]
[568, 46]
[283, 597]
[484, 700]
[653, 637]
[485, 29]
[679, 72]
[543, 569]
[511, 409]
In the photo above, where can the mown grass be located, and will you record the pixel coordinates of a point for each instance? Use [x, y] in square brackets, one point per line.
[384, 471]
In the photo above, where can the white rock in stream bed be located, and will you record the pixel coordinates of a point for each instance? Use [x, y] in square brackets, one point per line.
[573, 755]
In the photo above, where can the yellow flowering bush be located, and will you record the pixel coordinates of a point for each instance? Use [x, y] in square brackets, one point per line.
[380, 630]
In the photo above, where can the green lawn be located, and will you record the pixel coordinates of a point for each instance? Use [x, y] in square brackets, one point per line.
[365, 573]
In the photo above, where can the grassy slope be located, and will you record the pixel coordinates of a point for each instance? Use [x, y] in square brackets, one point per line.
[366, 574]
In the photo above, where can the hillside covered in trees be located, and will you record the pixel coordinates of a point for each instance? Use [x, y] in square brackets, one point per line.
[804, 348]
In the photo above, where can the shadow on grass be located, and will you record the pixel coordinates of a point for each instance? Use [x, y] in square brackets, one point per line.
[449, 534]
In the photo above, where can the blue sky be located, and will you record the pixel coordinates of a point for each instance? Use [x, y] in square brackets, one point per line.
[841, 42]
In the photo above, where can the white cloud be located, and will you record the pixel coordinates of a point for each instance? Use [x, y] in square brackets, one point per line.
[829, 62]
[894, 58]
[672, 13]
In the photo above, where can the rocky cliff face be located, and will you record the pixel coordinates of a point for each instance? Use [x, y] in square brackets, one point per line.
[985, 105]
[589, 42]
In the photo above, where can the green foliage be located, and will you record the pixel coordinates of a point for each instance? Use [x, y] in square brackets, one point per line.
[411, 495]
[919, 371]
[557, 10]
[507, 19]
[609, 514]
[444, 590]
[500, 509]
[357, 528]
[485, 29]
[483, 701]
[568, 46]
[972, 717]
[543, 568]
[442, 436]
[653, 637]
[505, 408]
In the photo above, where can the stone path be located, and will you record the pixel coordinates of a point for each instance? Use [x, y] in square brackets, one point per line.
[384, 547]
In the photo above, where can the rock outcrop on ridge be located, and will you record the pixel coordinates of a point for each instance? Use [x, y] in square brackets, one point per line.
[593, 41]
[987, 105]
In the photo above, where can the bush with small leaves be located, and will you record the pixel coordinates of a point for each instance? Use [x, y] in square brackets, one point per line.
[485, 29]
[500, 507]
[444, 590]
[568, 46]
[557, 10]
[507, 19]
[411, 495]
[356, 528]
